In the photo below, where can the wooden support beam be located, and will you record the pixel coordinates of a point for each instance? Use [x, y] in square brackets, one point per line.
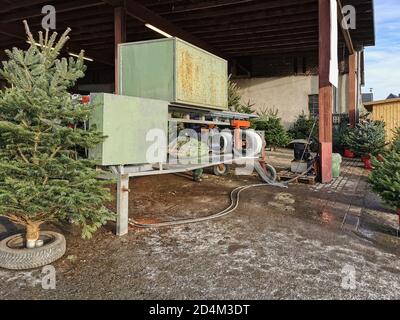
[312, 45]
[165, 8]
[346, 33]
[115, 3]
[140, 12]
[325, 91]
[17, 31]
[266, 8]
[3, 56]
[265, 17]
[239, 36]
[21, 4]
[67, 6]
[258, 52]
[79, 19]
[265, 36]
[293, 20]
[120, 37]
[312, 40]
[353, 83]
[258, 31]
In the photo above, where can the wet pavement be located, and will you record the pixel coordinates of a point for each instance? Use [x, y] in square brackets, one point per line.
[307, 242]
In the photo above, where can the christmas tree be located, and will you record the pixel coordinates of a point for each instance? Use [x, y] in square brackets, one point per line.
[385, 179]
[303, 127]
[396, 140]
[42, 176]
[270, 123]
[367, 138]
[235, 99]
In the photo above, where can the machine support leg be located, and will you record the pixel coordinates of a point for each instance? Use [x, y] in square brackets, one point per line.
[263, 158]
[122, 205]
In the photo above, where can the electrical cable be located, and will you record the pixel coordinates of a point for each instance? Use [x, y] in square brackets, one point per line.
[234, 198]
[235, 201]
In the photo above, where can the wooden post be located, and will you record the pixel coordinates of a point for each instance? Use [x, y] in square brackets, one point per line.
[353, 83]
[325, 91]
[122, 205]
[119, 37]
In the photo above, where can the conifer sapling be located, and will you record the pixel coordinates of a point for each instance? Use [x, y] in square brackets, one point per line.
[42, 176]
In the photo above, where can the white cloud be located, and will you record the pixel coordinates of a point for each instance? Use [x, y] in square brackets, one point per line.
[383, 61]
[383, 75]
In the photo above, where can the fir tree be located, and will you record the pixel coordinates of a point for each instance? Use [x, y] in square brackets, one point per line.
[235, 99]
[367, 138]
[270, 123]
[303, 127]
[396, 140]
[385, 179]
[42, 177]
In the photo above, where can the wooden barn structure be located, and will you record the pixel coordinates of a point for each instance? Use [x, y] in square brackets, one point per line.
[237, 30]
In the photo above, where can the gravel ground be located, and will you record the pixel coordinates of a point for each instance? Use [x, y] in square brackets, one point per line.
[277, 245]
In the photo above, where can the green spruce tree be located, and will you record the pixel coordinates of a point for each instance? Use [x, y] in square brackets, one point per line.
[396, 140]
[235, 99]
[367, 138]
[42, 177]
[385, 179]
[269, 122]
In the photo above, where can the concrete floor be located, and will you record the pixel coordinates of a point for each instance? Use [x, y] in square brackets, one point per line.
[304, 242]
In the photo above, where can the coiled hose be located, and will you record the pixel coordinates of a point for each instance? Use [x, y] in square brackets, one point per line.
[234, 198]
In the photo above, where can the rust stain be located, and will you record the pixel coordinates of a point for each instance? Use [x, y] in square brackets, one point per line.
[213, 93]
[200, 80]
[186, 73]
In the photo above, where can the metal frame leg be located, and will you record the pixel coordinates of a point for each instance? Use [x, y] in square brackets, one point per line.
[122, 205]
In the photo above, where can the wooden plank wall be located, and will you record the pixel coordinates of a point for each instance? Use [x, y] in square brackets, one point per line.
[389, 113]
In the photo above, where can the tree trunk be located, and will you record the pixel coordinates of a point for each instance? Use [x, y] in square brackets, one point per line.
[398, 212]
[32, 234]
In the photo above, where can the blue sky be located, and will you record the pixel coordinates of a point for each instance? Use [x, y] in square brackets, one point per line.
[383, 61]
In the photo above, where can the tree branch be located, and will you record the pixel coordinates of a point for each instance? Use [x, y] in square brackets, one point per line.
[37, 140]
[54, 153]
[22, 155]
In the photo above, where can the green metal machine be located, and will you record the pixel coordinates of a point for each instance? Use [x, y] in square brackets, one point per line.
[126, 121]
[170, 89]
[175, 71]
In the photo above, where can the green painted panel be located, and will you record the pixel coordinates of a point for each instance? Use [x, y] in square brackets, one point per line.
[146, 69]
[173, 70]
[201, 78]
[126, 122]
[96, 122]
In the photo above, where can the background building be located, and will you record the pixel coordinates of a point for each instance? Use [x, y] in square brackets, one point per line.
[280, 46]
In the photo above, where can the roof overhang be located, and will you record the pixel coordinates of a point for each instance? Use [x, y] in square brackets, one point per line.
[234, 28]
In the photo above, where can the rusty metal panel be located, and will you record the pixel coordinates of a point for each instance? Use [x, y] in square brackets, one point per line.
[173, 70]
[201, 77]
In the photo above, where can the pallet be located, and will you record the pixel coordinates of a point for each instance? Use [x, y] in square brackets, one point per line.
[287, 176]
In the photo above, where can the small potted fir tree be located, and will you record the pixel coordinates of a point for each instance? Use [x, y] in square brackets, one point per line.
[366, 139]
[42, 176]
